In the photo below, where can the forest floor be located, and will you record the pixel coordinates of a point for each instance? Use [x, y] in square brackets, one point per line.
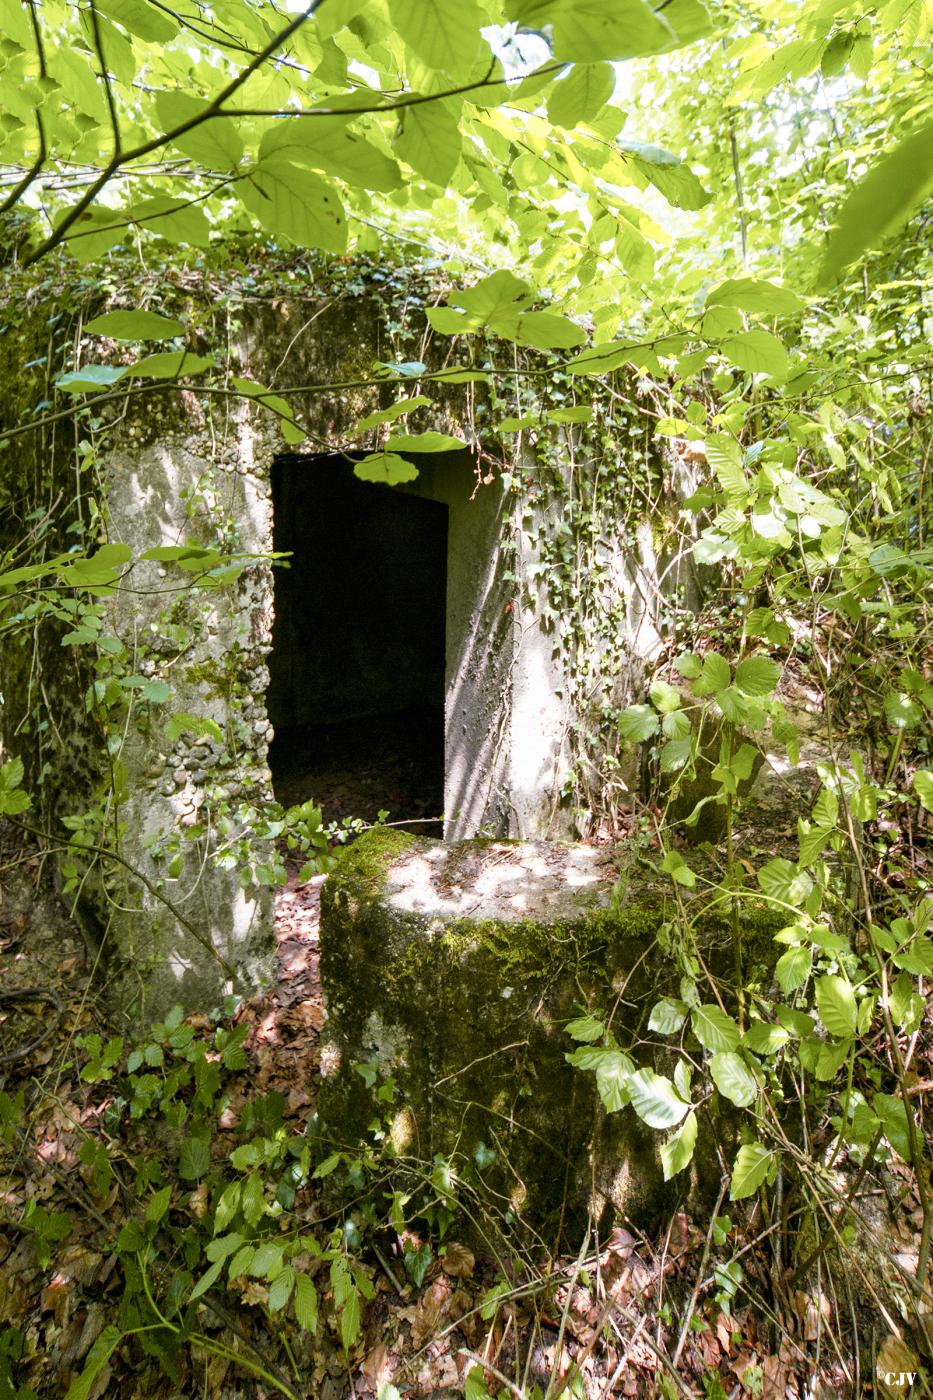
[632, 1316]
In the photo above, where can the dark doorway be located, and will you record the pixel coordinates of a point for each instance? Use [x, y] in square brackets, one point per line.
[356, 691]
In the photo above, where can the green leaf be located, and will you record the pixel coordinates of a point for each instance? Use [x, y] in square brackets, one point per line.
[147, 22]
[429, 141]
[424, 442]
[173, 218]
[542, 329]
[206, 1281]
[280, 1290]
[387, 467]
[215, 143]
[444, 36]
[266, 1261]
[733, 1078]
[752, 1165]
[158, 1205]
[922, 783]
[714, 676]
[199, 725]
[674, 865]
[581, 95]
[781, 880]
[665, 697]
[135, 325]
[638, 723]
[613, 1070]
[350, 1320]
[195, 1158]
[89, 379]
[758, 352]
[655, 1099]
[880, 203]
[893, 1114]
[835, 1001]
[241, 1261]
[714, 1029]
[295, 204]
[587, 1029]
[667, 1016]
[752, 294]
[677, 1152]
[902, 711]
[169, 364]
[305, 1303]
[725, 457]
[330, 145]
[586, 31]
[764, 1039]
[97, 1358]
[757, 675]
[793, 968]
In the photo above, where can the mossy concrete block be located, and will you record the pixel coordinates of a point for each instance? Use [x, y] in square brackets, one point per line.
[452, 970]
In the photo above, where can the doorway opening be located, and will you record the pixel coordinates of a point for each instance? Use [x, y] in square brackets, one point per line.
[357, 669]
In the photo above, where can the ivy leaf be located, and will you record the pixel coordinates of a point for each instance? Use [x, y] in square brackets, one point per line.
[752, 1165]
[655, 1099]
[714, 1029]
[733, 1078]
[758, 352]
[835, 1001]
[677, 1152]
[638, 723]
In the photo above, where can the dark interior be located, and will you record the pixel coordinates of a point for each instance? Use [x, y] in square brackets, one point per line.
[356, 692]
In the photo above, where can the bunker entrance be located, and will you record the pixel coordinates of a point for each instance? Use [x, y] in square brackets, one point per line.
[356, 691]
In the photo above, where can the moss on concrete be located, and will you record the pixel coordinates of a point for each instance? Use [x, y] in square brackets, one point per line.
[467, 1018]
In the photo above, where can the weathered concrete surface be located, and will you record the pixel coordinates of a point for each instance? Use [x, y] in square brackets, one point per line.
[453, 969]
